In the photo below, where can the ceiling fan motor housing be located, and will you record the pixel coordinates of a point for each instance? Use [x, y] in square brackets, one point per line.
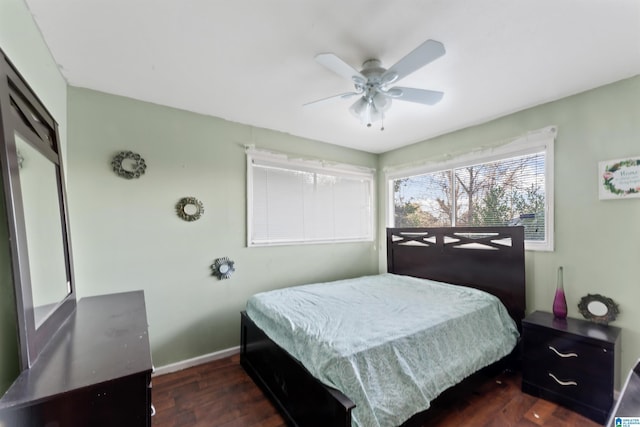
[376, 76]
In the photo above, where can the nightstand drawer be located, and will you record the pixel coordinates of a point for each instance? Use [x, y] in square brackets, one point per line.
[587, 389]
[570, 358]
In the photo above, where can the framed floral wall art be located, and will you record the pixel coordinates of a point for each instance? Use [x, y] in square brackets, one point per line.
[619, 179]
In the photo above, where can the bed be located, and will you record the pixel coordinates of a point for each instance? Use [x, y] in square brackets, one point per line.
[487, 259]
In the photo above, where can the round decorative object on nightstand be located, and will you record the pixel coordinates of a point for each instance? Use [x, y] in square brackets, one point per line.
[598, 308]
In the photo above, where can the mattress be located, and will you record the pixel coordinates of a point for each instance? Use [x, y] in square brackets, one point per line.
[390, 343]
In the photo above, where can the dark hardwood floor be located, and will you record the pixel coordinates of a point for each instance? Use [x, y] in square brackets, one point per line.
[220, 394]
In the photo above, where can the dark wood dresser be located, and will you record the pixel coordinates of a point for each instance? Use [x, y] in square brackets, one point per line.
[572, 362]
[95, 372]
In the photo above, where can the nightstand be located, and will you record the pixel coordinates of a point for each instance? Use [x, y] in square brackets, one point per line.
[572, 362]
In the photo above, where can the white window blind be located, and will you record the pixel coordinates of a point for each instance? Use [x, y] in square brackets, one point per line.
[292, 201]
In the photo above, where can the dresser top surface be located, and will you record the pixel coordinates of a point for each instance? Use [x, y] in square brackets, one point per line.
[577, 327]
[106, 338]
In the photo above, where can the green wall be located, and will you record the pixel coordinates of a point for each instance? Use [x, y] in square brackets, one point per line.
[21, 41]
[597, 242]
[126, 234]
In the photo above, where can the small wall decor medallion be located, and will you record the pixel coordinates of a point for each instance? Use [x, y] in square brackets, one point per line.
[619, 178]
[598, 308]
[128, 164]
[223, 268]
[189, 209]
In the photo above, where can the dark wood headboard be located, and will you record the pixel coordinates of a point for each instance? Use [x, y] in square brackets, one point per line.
[486, 258]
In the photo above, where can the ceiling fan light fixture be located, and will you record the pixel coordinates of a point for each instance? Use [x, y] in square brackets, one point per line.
[381, 101]
[365, 112]
[370, 110]
[359, 107]
[375, 116]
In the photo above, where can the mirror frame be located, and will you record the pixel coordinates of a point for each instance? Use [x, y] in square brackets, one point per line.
[186, 201]
[612, 308]
[22, 112]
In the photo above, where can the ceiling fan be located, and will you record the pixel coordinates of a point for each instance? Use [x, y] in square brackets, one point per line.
[373, 81]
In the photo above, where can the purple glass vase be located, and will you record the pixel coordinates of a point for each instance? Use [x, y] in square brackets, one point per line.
[559, 301]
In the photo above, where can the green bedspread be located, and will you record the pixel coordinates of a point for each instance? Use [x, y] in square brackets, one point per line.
[390, 343]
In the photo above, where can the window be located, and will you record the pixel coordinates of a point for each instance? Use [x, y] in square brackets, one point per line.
[507, 186]
[292, 201]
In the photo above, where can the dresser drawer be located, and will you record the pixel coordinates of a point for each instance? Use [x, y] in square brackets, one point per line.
[120, 402]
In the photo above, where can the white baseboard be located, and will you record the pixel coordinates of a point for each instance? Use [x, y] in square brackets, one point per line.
[205, 358]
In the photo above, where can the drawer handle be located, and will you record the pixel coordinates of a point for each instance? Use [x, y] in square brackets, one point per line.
[565, 383]
[562, 354]
[153, 410]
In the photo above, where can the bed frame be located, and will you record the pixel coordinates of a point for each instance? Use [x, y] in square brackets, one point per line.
[486, 258]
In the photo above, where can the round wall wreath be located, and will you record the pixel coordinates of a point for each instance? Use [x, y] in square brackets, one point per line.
[128, 164]
[189, 208]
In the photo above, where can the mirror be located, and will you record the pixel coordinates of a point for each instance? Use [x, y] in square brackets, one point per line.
[45, 244]
[33, 184]
[190, 209]
[597, 308]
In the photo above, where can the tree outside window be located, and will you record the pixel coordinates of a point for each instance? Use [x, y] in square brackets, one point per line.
[507, 192]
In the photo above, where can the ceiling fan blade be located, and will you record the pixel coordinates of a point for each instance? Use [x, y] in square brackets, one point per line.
[421, 96]
[418, 58]
[345, 95]
[338, 66]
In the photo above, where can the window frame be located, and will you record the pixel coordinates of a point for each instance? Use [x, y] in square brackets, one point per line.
[532, 142]
[284, 161]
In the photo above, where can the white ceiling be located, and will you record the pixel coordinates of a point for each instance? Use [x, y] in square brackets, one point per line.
[252, 61]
